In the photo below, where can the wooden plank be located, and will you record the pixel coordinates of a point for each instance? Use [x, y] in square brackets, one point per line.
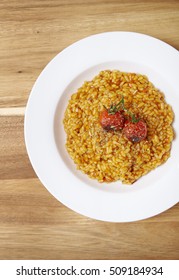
[34, 225]
[14, 163]
[33, 32]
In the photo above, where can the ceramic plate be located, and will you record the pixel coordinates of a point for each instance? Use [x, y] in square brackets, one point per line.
[45, 136]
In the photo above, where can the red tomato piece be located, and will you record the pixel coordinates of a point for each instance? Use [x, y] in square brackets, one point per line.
[135, 132]
[111, 121]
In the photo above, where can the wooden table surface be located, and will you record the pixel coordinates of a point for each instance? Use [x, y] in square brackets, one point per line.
[33, 224]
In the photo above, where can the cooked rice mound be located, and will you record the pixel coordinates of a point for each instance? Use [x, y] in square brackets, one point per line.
[110, 156]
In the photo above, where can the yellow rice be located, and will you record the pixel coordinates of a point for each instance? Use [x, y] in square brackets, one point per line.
[110, 156]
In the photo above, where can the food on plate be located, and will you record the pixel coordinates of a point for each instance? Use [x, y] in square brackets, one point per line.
[118, 127]
[113, 118]
[111, 121]
[135, 131]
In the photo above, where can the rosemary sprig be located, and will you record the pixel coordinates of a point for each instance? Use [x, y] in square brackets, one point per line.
[114, 108]
[133, 117]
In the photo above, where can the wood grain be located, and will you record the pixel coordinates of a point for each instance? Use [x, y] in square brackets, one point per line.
[33, 224]
[33, 32]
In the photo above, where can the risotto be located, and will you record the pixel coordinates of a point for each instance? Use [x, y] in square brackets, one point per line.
[108, 155]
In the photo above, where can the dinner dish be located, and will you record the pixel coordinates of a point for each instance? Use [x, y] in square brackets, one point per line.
[45, 136]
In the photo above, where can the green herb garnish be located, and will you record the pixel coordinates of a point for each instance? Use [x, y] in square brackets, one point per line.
[114, 108]
[133, 117]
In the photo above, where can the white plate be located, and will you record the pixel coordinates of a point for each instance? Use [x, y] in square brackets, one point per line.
[45, 136]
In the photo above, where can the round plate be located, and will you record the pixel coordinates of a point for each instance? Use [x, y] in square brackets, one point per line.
[45, 136]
